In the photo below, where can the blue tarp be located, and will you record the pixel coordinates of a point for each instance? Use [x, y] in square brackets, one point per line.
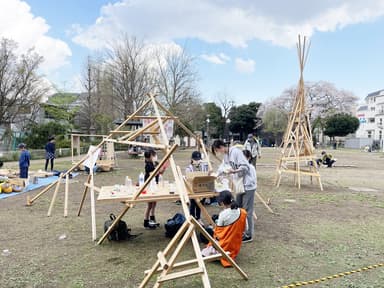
[41, 182]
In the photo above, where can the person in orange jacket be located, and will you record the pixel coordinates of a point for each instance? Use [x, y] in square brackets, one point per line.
[231, 224]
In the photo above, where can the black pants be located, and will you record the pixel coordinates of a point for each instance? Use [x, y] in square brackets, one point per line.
[194, 209]
[46, 163]
[329, 162]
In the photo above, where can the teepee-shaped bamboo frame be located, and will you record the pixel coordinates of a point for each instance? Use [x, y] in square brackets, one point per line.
[166, 262]
[297, 154]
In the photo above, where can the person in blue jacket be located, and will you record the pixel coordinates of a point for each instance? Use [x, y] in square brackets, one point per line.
[50, 149]
[24, 160]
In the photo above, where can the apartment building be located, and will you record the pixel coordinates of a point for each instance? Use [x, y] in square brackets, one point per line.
[371, 117]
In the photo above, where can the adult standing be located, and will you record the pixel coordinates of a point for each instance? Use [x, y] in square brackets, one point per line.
[50, 149]
[240, 168]
[253, 145]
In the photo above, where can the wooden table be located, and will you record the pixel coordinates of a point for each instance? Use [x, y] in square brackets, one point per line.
[120, 193]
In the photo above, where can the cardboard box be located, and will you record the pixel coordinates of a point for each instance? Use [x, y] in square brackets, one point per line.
[201, 182]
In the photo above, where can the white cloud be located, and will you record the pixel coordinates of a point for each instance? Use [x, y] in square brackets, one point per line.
[19, 24]
[233, 21]
[216, 59]
[245, 65]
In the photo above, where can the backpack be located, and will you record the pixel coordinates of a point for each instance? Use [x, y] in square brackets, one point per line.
[173, 225]
[119, 232]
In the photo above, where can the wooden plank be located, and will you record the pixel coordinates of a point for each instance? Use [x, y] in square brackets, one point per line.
[185, 263]
[54, 198]
[66, 195]
[302, 172]
[162, 260]
[181, 274]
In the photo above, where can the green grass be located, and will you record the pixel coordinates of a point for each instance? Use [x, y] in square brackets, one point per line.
[313, 234]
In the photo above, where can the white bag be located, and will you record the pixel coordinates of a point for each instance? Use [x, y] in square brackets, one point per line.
[238, 184]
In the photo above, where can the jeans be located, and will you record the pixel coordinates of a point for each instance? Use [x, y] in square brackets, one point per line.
[246, 200]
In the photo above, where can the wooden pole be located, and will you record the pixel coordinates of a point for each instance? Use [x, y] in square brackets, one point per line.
[93, 210]
[54, 197]
[66, 195]
[84, 195]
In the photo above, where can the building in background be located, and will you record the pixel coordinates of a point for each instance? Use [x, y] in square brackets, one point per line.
[371, 117]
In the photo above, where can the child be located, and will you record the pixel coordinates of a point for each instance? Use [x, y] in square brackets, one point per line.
[24, 160]
[149, 216]
[194, 209]
[231, 224]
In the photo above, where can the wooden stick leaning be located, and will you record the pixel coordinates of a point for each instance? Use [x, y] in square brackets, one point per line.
[84, 195]
[53, 198]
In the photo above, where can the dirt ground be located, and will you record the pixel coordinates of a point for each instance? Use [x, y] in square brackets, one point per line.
[313, 233]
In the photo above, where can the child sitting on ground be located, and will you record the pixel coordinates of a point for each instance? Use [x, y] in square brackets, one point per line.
[231, 224]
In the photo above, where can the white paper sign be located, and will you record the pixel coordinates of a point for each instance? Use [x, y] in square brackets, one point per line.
[93, 153]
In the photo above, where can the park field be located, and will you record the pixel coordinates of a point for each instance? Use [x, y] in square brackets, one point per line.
[312, 234]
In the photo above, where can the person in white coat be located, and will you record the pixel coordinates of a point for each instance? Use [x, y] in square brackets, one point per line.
[253, 145]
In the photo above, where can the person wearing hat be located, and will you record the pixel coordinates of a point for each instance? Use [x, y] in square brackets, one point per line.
[50, 149]
[24, 160]
[253, 145]
[194, 209]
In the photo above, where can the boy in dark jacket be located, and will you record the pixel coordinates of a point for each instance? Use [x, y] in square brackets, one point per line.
[24, 160]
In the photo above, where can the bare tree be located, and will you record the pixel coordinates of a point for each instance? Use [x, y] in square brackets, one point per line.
[176, 81]
[225, 102]
[21, 88]
[89, 100]
[129, 72]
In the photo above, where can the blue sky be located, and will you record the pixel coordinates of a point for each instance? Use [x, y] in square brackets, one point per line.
[243, 48]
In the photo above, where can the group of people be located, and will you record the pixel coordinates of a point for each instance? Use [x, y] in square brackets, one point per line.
[25, 157]
[234, 224]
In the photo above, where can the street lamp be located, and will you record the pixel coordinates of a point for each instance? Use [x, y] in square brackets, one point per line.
[227, 122]
[208, 128]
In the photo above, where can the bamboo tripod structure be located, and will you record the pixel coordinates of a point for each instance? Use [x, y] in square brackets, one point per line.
[167, 259]
[297, 154]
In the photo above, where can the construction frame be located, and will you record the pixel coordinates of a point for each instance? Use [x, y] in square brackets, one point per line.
[167, 258]
[297, 153]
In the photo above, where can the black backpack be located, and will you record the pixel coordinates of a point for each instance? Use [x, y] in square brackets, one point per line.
[119, 232]
[173, 225]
